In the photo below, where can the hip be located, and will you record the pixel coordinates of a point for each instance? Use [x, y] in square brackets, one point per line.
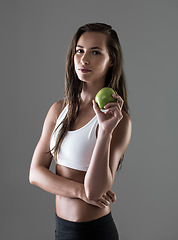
[102, 228]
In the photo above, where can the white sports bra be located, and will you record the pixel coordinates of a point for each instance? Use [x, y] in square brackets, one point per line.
[77, 147]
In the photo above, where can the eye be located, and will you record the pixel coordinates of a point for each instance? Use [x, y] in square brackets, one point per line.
[96, 53]
[79, 51]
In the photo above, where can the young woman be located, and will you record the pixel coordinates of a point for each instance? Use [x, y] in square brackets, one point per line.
[87, 144]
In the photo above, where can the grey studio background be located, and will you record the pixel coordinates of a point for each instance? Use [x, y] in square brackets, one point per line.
[34, 40]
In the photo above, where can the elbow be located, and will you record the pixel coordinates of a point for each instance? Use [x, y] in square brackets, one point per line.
[31, 180]
[93, 195]
[96, 192]
[92, 192]
[32, 177]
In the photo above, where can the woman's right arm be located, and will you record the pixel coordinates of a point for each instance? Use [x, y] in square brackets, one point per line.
[41, 176]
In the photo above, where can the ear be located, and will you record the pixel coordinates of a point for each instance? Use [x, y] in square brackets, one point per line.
[111, 64]
[110, 61]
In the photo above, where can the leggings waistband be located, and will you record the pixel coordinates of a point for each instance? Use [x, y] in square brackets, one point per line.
[94, 223]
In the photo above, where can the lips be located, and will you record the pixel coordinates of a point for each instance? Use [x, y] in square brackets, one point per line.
[84, 70]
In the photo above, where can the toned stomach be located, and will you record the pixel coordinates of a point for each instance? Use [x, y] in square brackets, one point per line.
[74, 209]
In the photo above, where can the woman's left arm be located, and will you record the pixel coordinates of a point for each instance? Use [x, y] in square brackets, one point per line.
[114, 134]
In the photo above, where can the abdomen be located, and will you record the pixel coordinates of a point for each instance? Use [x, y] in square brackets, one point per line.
[74, 209]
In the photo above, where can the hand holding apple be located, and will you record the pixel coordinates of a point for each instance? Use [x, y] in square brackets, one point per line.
[104, 96]
[109, 100]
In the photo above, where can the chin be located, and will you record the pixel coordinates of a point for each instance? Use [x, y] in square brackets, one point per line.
[83, 79]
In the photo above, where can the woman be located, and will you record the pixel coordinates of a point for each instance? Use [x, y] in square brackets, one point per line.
[87, 144]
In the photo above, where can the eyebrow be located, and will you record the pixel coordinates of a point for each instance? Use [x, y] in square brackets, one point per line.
[91, 48]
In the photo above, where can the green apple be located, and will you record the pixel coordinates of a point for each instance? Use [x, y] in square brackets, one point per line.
[104, 96]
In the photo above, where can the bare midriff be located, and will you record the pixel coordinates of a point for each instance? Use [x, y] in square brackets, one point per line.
[75, 209]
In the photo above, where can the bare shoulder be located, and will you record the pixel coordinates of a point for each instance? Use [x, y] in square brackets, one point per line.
[51, 118]
[55, 110]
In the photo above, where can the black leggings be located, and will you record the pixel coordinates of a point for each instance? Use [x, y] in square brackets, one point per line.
[100, 229]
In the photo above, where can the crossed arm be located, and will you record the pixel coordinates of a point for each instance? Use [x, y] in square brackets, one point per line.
[109, 149]
[41, 176]
[99, 177]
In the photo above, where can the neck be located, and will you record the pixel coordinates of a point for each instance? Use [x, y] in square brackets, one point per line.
[89, 92]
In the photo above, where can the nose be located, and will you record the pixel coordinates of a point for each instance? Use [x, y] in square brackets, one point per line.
[85, 60]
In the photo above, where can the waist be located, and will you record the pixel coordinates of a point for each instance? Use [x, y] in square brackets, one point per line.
[80, 211]
[96, 222]
[74, 209]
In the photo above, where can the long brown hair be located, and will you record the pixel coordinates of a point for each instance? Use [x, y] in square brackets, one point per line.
[73, 86]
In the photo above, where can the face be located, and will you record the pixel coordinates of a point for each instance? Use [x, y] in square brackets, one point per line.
[92, 59]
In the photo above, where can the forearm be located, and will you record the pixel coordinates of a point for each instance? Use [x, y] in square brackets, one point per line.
[98, 179]
[55, 184]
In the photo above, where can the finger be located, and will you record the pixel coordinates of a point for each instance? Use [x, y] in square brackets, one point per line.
[112, 104]
[104, 201]
[112, 195]
[119, 99]
[119, 103]
[116, 95]
[95, 107]
[107, 197]
[115, 112]
[99, 204]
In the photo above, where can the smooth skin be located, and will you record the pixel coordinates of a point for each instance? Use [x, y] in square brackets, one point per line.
[85, 196]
